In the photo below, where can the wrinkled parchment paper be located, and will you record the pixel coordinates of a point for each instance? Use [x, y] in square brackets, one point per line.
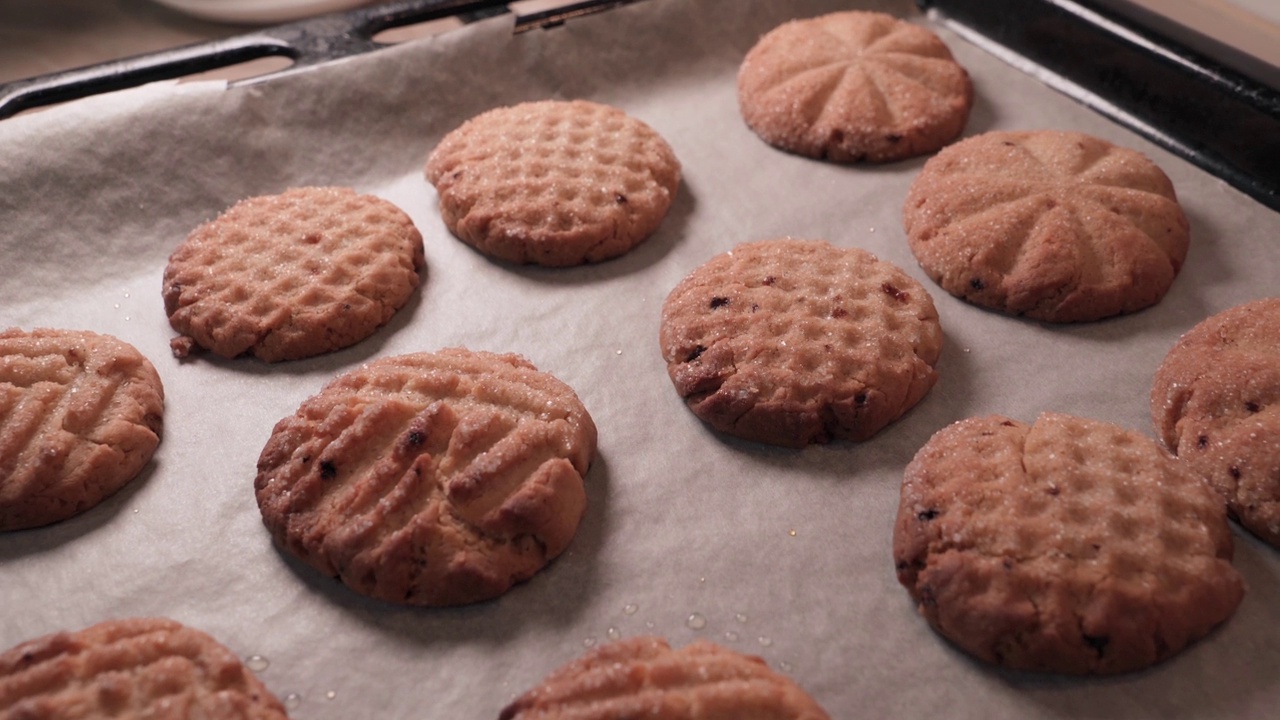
[780, 553]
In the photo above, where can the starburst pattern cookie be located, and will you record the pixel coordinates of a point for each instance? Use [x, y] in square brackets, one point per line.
[1055, 226]
[854, 86]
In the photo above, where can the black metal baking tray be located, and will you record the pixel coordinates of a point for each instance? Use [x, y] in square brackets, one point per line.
[306, 44]
[1194, 104]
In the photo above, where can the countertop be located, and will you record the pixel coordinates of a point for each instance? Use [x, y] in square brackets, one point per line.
[38, 37]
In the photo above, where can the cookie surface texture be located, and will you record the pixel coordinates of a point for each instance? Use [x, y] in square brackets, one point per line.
[854, 86]
[792, 342]
[80, 415]
[645, 677]
[290, 276]
[1055, 226]
[1069, 545]
[1215, 402]
[430, 479]
[554, 183]
[131, 669]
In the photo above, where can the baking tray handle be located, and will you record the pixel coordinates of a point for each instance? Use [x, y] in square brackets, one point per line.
[305, 43]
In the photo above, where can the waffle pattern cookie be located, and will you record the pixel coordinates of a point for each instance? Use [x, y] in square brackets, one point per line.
[1069, 545]
[430, 479]
[854, 86]
[1215, 402]
[80, 415]
[645, 677]
[792, 342]
[131, 669]
[1056, 226]
[289, 276]
[554, 183]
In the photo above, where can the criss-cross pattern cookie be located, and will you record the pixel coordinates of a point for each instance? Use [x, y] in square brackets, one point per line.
[1215, 402]
[554, 183]
[80, 415]
[1055, 226]
[792, 342]
[1068, 545]
[854, 86]
[290, 276]
[432, 478]
[646, 677]
[131, 669]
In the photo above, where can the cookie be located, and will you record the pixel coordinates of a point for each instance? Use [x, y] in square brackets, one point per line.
[1055, 226]
[792, 342]
[131, 669]
[1068, 545]
[1215, 402]
[554, 183]
[645, 677]
[80, 415]
[854, 86]
[290, 276]
[430, 479]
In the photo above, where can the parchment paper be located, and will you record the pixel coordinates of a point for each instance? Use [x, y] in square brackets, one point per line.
[781, 553]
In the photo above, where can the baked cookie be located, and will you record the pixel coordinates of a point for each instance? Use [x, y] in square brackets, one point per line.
[791, 342]
[1068, 545]
[430, 479]
[80, 415]
[1057, 226]
[1215, 403]
[289, 276]
[553, 183]
[854, 86]
[130, 670]
[645, 677]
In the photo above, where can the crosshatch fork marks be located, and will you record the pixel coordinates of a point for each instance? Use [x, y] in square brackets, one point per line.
[431, 478]
[80, 415]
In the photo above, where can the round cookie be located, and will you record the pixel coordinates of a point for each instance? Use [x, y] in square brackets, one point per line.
[792, 342]
[1215, 402]
[1068, 545]
[1057, 226]
[554, 183]
[645, 677]
[80, 415]
[131, 669]
[432, 478]
[290, 276]
[854, 86]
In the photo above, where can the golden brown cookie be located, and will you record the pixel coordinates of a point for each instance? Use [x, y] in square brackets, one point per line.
[792, 342]
[554, 183]
[289, 276]
[80, 415]
[131, 669]
[1215, 402]
[1068, 545]
[854, 86]
[1056, 226]
[645, 677]
[430, 479]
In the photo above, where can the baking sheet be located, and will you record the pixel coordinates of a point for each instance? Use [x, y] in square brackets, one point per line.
[780, 553]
